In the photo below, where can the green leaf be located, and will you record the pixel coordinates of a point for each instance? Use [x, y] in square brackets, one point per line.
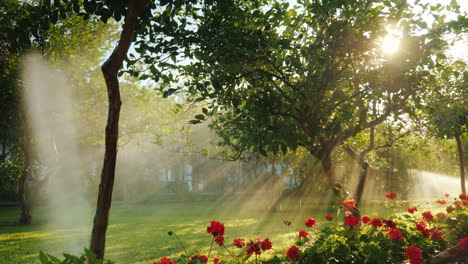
[169, 92]
[90, 254]
[43, 258]
[200, 117]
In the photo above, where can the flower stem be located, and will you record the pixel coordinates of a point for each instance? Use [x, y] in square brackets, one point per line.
[181, 243]
[232, 256]
[212, 241]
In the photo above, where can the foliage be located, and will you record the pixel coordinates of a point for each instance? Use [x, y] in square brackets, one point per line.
[286, 78]
[87, 258]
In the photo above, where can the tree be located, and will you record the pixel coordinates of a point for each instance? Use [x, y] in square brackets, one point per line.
[447, 111]
[279, 77]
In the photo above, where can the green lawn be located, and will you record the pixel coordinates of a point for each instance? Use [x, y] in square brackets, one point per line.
[138, 233]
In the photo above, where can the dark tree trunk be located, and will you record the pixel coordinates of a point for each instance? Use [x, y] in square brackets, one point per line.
[338, 189]
[110, 70]
[461, 163]
[24, 200]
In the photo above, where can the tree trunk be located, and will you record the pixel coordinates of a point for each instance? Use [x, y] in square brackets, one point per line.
[449, 255]
[338, 189]
[110, 70]
[364, 172]
[461, 163]
[25, 201]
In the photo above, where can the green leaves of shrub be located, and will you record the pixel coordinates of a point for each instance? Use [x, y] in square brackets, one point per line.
[87, 258]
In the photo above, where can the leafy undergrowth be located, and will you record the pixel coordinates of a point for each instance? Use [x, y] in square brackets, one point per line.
[410, 237]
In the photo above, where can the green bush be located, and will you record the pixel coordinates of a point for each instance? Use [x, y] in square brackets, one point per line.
[87, 258]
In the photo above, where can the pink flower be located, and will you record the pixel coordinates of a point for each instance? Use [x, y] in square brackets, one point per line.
[349, 203]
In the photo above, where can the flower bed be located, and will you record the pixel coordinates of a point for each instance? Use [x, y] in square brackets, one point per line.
[409, 237]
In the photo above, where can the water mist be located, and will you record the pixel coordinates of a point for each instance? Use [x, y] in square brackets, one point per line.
[55, 151]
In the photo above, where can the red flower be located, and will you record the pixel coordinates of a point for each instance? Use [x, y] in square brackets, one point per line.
[440, 216]
[447, 195]
[329, 217]
[463, 243]
[449, 209]
[239, 242]
[203, 258]
[293, 253]
[215, 228]
[414, 255]
[165, 261]
[389, 223]
[428, 216]
[365, 219]
[310, 222]
[253, 247]
[219, 239]
[395, 234]
[266, 244]
[351, 220]
[463, 196]
[349, 203]
[303, 234]
[465, 202]
[216, 260]
[442, 201]
[391, 195]
[376, 222]
[412, 209]
[420, 226]
[435, 233]
[458, 203]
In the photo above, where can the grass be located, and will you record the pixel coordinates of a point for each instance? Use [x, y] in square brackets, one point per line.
[138, 233]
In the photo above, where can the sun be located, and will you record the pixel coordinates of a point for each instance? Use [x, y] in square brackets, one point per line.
[390, 44]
